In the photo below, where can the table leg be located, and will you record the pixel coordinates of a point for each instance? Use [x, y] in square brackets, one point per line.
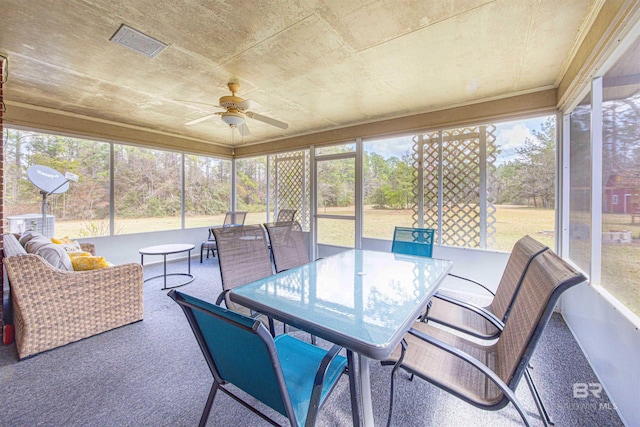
[365, 391]
[165, 271]
[354, 389]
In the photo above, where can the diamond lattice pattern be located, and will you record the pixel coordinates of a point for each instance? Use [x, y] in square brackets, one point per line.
[291, 184]
[452, 168]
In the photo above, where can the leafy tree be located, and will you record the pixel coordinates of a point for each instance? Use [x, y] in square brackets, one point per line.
[530, 178]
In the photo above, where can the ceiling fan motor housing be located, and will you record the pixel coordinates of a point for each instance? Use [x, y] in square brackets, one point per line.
[230, 102]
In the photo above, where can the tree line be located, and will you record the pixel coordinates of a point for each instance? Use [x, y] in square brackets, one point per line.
[147, 182]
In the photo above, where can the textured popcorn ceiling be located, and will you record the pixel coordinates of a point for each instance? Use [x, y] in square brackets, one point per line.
[317, 65]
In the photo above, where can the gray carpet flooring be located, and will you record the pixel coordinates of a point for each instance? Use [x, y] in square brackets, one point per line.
[152, 373]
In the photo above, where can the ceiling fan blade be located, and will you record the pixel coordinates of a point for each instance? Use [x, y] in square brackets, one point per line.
[244, 129]
[201, 119]
[248, 104]
[268, 120]
[208, 104]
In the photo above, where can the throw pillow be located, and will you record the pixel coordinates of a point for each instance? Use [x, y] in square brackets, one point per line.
[83, 263]
[65, 239]
[67, 244]
[53, 254]
[28, 235]
[72, 255]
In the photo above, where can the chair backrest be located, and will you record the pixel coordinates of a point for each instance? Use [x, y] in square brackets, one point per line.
[286, 215]
[287, 245]
[546, 279]
[523, 252]
[243, 256]
[238, 350]
[413, 241]
[234, 218]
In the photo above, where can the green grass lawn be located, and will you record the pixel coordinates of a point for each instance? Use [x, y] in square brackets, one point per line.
[620, 262]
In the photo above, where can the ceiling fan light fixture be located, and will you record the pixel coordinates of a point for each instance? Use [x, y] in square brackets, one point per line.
[233, 119]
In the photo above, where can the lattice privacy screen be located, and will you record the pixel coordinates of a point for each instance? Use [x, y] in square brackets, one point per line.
[291, 184]
[455, 175]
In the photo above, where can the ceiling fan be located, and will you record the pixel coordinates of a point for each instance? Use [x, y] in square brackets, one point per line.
[236, 112]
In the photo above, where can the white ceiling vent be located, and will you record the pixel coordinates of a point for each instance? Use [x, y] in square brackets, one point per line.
[135, 40]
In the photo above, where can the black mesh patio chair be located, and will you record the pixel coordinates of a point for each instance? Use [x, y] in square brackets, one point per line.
[231, 218]
[287, 245]
[243, 257]
[288, 375]
[487, 322]
[487, 376]
[286, 215]
[234, 218]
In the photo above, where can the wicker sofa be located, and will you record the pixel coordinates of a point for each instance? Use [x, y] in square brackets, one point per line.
[53, 307]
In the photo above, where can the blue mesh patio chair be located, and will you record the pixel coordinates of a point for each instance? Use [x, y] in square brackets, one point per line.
[288, 375]
[413, 241]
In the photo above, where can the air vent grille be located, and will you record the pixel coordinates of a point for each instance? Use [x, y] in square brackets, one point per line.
[135, 40]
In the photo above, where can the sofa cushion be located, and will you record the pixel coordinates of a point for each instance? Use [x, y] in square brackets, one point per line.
[11, 246]
[52, 253]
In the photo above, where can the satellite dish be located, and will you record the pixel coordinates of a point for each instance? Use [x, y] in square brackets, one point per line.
[49, 181]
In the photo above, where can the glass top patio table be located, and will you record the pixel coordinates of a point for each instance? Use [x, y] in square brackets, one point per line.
[363, 300]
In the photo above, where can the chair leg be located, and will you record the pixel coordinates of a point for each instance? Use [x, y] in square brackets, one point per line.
[272, 327]
[393, 375]
[201, 249]
[207, 407]
[425, 317]
[403, 343]
[546, 418]
[520, 410]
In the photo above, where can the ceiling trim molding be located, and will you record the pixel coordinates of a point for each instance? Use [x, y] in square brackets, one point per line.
[612, 20]
[501, 109]
[45, 119]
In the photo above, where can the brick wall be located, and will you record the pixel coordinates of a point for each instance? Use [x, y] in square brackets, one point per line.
[3, 73]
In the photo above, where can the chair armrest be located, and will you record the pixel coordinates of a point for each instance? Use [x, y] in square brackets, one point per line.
[474, 282]
[318, 382]
[255, 315]
[222, 296]
[472, 307]
[469, 359]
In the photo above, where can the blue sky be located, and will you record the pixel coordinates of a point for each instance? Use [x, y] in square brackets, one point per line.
[509, 136]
